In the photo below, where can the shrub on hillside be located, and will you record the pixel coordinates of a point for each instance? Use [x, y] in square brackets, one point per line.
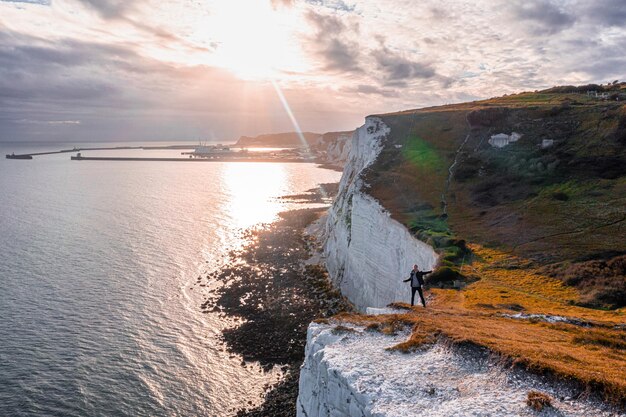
[443, 276]
[487, 117]
[602, 282]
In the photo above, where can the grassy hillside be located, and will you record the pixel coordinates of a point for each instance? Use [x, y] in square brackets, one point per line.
[536, 232]
[555, 198]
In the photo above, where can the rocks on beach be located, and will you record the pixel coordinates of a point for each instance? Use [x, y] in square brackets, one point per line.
[267, 285]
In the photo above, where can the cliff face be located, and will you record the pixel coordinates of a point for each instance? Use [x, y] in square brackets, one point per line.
[528, 193]
[350, 372]
[367, 252]
[334, 147]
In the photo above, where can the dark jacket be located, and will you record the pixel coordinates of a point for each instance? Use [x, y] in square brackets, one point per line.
[417, 278]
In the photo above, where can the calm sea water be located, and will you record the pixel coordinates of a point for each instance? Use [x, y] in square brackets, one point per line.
[99, 306]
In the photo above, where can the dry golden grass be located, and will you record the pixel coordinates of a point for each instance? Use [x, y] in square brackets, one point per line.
[538, 400]
[340, 329]
[594, 355]
[504, 279]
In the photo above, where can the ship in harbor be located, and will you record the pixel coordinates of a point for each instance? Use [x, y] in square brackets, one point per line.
[13, 156]
[209, 151]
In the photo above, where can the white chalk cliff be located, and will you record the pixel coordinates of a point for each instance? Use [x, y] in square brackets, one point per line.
[338, 150]
[348, 372]
[367, 253]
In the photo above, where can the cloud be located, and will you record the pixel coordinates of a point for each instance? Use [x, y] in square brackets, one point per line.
[47, 122]
[331, 45]
[606, 12]
[28, 52]
[329, 25]
[109, 9]
[340, 55]
[543, 17]
[374, 90]
[38, 73]
[33, 69]
[42, 2]
[602, 63]
[338, 5]
[398, 69]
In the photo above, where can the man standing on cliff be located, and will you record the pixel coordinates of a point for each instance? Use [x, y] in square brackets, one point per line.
[417, 283]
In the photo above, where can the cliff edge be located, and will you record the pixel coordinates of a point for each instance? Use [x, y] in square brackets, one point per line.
[519, 202]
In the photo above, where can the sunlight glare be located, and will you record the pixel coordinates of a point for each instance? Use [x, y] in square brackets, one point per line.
[292, 117]
[253, 38]
[254, 189]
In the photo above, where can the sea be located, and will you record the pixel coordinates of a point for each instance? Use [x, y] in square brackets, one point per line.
[99, 261]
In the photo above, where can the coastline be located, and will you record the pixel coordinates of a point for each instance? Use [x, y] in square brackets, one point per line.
[271, 289]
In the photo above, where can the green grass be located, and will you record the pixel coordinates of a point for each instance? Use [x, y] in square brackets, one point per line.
[428, 220]
[434, 230]
[532, 97]
[541, 99]
[422, 154]
[569, 188]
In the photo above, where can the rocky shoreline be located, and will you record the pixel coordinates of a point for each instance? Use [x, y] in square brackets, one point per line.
[271, 289]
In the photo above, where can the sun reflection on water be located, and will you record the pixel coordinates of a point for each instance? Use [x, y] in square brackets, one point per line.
[253, 189]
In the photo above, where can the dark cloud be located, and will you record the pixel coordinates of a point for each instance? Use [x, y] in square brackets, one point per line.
[329, 25]
[109, 9]
[397, 69]
[32, 88]
[32, 69]
[36, 56]
[340, 55]
[604, 60]
[45, 84]
[331, 43]
[64, 53]
[543, 17]
[606, 12]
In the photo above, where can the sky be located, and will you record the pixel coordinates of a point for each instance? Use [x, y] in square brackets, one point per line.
[190, 70]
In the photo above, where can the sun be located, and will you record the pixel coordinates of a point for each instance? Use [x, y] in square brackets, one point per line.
[253, 39]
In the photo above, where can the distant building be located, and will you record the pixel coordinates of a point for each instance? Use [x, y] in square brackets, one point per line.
[502, 139]
[598, 95]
